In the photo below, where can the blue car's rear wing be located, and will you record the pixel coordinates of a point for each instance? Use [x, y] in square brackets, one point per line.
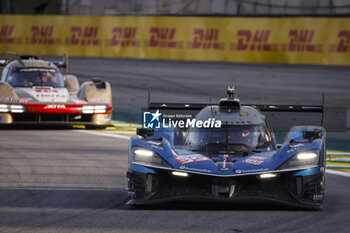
[281, 117]
[261, 107]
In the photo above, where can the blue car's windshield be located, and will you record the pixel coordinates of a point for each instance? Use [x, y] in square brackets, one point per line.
[34, 76]
[251, 136]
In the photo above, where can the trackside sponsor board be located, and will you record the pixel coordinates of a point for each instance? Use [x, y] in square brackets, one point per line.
[300, 40]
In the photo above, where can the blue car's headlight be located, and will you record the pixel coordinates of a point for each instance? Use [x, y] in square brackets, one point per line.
[304, 158]
[148, 157]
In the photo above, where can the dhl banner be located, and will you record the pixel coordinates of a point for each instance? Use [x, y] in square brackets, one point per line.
[305, 40]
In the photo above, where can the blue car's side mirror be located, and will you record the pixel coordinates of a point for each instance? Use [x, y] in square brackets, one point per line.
[145, 132]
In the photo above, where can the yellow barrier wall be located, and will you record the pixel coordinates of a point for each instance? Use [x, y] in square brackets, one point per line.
[273, 40]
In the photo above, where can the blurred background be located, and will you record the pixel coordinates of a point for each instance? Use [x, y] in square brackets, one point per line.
[177, 7]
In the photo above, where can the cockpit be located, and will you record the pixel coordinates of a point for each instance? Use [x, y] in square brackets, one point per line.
[34, 76]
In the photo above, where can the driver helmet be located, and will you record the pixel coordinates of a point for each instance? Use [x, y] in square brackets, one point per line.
[48, 78]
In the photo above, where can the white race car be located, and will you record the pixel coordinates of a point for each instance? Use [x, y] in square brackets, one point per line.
[34, 91]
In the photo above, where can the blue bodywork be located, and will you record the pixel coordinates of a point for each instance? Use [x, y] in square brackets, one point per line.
[227, 177]
[272, 159]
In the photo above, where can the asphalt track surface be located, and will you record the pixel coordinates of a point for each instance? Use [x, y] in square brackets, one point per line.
[73, 181]
[196, 82]
[173, 81]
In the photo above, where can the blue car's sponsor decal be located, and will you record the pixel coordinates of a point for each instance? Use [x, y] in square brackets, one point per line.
[195, 169]
[255, 160]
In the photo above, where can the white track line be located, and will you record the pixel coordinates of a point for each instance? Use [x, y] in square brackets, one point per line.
[338, 166]
[339, 173]
[104, 134]
[338, 153]
[334, 172]
[339, 159]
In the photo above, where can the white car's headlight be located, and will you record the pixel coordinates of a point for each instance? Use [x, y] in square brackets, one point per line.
[4, 108]
[16, 108]
[13, 108]
[90, 109]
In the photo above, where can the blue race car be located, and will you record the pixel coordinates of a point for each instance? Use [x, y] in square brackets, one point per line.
[235, 158]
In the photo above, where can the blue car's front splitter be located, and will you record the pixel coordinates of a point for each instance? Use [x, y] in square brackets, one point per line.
[159, 186]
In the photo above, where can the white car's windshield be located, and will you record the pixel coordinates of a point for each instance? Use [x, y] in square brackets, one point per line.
[33, 76]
